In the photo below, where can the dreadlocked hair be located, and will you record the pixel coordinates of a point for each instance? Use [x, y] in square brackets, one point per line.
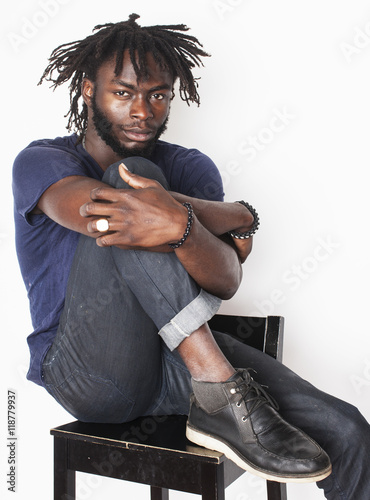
[170, 46]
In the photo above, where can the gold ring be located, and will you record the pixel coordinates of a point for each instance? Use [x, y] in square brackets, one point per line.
[102, 225]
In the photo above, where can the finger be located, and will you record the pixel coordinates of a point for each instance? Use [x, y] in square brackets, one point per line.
[133, 180]
[94, 226]
[104, 194]
[107, 240]
[100, 209]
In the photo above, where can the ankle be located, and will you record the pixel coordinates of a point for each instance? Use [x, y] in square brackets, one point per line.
[214, 374]
[203, 357]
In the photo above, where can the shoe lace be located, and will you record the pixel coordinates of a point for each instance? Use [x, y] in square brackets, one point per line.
[254, 393]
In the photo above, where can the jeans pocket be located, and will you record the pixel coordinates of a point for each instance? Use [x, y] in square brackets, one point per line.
[92, 399]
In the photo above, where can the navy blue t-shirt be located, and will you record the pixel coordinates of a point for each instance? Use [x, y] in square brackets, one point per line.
[45, 249]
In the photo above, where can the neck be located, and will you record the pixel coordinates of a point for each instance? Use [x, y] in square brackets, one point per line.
[99, 150]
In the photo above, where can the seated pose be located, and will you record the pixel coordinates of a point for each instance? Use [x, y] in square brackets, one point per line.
[127, 249]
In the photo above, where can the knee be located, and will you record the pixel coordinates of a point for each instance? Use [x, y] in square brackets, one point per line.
[336, 425]
[349, 431]
[136, 165]
[355, 430]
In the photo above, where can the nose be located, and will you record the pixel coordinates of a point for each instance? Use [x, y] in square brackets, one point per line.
[141, 109]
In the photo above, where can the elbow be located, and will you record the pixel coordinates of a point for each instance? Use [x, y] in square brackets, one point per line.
[229, 289]
[229, 293]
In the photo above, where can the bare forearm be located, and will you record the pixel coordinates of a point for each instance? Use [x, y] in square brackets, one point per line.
[212, 263]
[219, 217]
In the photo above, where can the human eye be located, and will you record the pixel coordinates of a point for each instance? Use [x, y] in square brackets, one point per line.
[159, 97]
[122, 93]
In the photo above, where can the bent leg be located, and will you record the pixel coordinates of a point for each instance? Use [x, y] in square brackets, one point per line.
[181, 324]
[158, 280]
[105, 364]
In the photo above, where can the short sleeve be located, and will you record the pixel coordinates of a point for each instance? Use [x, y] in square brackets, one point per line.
[203, 179]
[189, 171]
[37, 168]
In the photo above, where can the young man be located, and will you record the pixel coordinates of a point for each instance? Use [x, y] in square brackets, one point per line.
[117, 243]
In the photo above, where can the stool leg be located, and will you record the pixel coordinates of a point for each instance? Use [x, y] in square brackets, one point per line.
[276, 491]
[158, 493]
[213, 485]
[64, 479]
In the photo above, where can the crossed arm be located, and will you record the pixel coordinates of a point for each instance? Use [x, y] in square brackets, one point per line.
[149, 217]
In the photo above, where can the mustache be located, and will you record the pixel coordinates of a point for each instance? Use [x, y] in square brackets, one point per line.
[137, 125]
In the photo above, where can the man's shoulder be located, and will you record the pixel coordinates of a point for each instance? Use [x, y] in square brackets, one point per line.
[45, 161]
[68, 143]
[189, 171]
[166, 149]
[63, 153]
[44, 150]
[173, 156]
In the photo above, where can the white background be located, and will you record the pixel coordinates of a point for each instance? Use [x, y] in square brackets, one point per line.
[306, 175]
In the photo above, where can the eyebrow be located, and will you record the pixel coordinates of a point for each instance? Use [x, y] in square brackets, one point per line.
[163, 86]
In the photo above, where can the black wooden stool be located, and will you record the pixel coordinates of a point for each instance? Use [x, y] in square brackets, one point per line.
[155, 450]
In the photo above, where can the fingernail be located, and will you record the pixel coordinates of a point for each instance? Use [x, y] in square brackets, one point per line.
[124, 166]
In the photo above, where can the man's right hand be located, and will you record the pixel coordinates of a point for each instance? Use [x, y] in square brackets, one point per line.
[145, 217]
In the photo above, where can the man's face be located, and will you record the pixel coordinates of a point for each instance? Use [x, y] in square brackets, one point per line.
[130, 115]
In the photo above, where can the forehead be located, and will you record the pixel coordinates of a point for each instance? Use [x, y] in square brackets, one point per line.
[106, 72]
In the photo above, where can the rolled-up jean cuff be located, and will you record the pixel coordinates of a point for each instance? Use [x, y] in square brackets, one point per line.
[189, 319]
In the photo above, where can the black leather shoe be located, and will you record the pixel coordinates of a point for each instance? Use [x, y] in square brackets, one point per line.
[238, 418]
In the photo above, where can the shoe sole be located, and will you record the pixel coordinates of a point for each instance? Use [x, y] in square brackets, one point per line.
[212, 443]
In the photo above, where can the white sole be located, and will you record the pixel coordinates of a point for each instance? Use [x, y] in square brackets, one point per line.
[214, 444]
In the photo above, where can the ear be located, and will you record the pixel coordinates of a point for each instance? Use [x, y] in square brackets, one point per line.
[87, 91]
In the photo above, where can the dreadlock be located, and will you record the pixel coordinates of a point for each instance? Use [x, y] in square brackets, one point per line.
[170, 46]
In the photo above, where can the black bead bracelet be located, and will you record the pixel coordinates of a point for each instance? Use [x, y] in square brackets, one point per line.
[253, 229]
[188, 227]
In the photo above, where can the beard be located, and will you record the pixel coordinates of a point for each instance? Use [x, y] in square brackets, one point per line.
[104, 128]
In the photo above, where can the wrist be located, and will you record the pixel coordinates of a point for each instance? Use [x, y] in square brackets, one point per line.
[189, 223]
[252, 225]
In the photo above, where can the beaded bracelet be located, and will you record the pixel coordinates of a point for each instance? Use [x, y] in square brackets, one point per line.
[188, 227]
[253, 229]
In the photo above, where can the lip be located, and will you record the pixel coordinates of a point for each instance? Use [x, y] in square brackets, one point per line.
[139, 134]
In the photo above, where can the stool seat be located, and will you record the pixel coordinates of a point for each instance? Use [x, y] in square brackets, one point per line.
[149, 450]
